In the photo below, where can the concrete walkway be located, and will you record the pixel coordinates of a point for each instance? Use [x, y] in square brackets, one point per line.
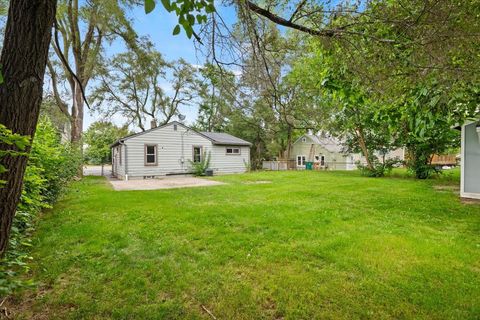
[90, 170]
[164, 183]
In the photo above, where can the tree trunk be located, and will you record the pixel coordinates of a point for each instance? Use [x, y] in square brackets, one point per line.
[363, 146]
[23, 60]
[77, 124]
[77, 115]
[289, 143]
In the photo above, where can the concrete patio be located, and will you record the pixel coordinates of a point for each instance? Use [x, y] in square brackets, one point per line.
[164, 183]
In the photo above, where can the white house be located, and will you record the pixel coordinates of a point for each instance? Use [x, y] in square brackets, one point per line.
[470, 160]
[324, 152]
[328, 153]
[168, 149]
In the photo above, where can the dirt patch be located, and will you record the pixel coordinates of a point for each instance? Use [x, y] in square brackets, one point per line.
[164, 183]
[443, 188]
[470, 201]
[258, 182]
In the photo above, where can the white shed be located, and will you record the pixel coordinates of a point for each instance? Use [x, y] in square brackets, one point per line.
[168, 150]
[470, 160]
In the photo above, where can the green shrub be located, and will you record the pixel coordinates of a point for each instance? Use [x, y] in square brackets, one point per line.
[51, 166]
[380, 168]
[199, 168]
[11, 139]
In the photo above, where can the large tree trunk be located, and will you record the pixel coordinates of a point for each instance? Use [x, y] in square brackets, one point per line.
[23, 60]
[77, 115]
[77, 124]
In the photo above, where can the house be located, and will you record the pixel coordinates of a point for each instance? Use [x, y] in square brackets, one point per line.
[324, 152]
[168, 150]
[470, 160]
[328, 153]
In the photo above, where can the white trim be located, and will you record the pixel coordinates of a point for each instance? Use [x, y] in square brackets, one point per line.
[470, 195]
[464, 194]
[304, 161]
[302, 136]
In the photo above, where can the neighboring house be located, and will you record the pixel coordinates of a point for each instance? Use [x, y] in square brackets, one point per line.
[328, 153]
[324, 152]
[168, 150]
[470, 160]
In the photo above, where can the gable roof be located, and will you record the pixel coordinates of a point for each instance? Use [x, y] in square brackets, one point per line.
[217, 138]
[329, 143]
[221, 138]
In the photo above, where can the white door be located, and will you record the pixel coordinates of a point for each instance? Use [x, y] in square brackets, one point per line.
[301, 161]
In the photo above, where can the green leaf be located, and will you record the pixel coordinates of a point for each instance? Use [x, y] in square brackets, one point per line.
[210, 8]
[166, 4]
[191, 19]
[149, 6]
[176, 30]
[188, 30]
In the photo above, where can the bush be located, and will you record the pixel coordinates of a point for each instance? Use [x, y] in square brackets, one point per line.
[199, 168]
[51, 166]
[11, 139]
[380, 168]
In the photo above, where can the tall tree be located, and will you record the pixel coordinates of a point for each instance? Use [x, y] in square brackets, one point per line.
[23, 60]
[132, 84]
[217, 94]
[82, 29]
[98, 138]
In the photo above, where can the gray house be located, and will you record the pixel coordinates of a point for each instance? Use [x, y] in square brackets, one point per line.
[327, 152]
[470, 160]
[168, 150]
[324, 152]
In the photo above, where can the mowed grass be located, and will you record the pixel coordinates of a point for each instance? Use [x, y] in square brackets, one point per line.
[278, 245]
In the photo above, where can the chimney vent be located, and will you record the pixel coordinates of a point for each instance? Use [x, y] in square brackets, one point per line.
[153, 124]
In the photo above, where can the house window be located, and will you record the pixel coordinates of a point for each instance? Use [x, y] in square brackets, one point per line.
[232, 151]
[120, 155]
[301, 161]
[197, 154]
[174, 127]
[150, 154]
[322, 160]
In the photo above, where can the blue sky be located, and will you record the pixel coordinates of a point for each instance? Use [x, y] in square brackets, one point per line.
[158, 25]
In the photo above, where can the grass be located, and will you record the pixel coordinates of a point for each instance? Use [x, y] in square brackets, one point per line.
[279, 245]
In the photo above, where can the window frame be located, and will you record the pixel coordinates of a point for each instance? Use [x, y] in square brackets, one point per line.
[145, 155]
[193, 153]
[233, 153]
[303, 160]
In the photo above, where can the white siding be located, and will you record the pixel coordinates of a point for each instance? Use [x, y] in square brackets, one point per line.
[223, 163]
[170, 153]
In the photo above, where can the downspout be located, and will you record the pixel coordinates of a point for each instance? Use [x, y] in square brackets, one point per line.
[126, 160]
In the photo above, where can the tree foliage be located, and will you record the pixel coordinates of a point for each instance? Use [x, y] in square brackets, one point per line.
[133, 85]
[51, 166]
[11, 139]
[98, 138]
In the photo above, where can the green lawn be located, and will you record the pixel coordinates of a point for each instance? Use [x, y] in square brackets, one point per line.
[300, 245]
